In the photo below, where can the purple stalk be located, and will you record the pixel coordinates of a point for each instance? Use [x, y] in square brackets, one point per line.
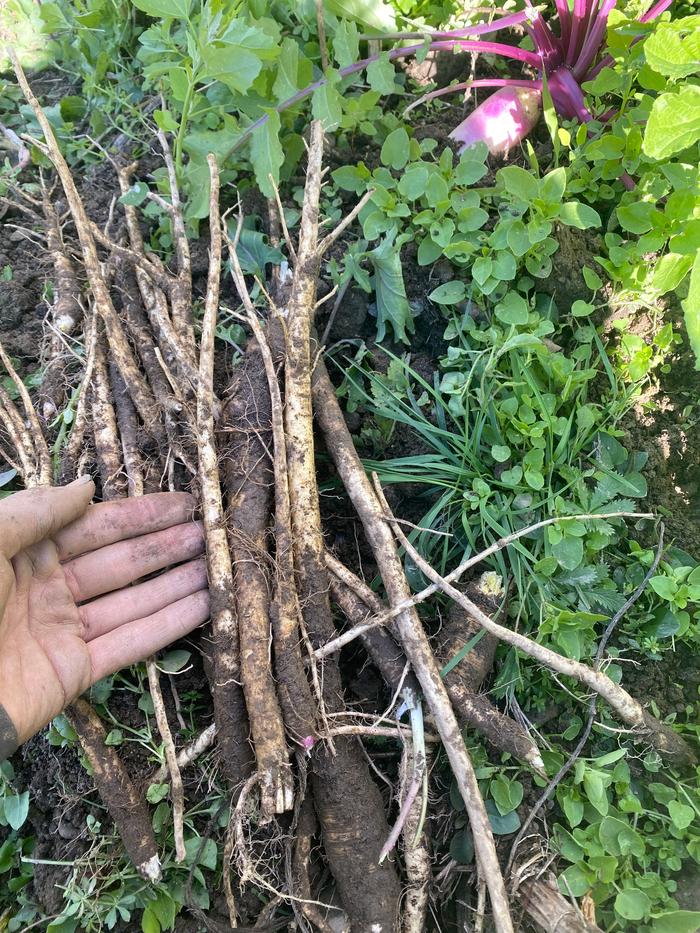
[545, 41]
[496, 48]
[656, 10]
[567, 91]
[564, 16]
[480, 29]
[477, 82]
[579, 22]
[594, 40]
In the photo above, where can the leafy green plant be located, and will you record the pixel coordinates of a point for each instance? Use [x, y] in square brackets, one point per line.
[418, 196]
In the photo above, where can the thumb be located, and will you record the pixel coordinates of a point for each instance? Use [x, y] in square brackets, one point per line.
[30, 516]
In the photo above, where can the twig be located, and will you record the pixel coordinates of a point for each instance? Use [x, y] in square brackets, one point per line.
[326, 243]
[321, 30]
[177, 793]
[283, 221]
[388, 614]
[142, 395]
[190, 753]
[580, 745]
[665, 740]
[39, 444]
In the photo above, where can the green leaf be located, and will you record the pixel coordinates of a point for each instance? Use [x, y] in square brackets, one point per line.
[507, 794]
[691, 310]
[436, 191]
[373, 13]
[165, 121]
[632, 904]
[519, 182]
[164, 8]
[663, 586]
[553, 185]
[174, 660]
[518, 238]
[288, 80]
[451, 293]
[573, 808]
[681, 814]
[165, 910]
[592, 280]
[413, 181]
[676, 921]
[16, 808]
[582, 308]
[255, 254]
[513, 309]
[595, 790]
[392, 304]
[136, 195]
[674, 123]
[149, 922]
[576, 880]
[395, 150]
[462, 847]
[114, 737]
[266, 153]
[669, 272]
[380, 75]
[500, 453]
[576, 214]
[326, 103]
[471, 167]
[346, 44]
[568, 552]
[619, 838]
[502, 825]
[234, 66]
[673, 49]
[157, 792]
[72, 108]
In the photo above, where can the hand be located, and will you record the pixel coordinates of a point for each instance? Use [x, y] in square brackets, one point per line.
[59, 555]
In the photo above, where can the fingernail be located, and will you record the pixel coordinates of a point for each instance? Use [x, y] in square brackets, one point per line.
[82, 480]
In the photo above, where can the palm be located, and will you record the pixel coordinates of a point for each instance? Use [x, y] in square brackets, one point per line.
[70, 614]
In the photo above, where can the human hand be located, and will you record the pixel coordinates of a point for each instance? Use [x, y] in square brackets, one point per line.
[59, 556]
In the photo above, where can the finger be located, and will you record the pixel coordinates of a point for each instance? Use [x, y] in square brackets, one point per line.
[108, 522]
[137, 640]
[30, 516]
[134, 602]
[118, 564]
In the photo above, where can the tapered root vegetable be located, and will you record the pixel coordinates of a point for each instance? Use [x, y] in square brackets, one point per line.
[229, 704]
[463, 681]
[299, 709]
[248, 480]
[105, 432]
[502, 121]
[413, 638]
[348, 802]
[126, 807]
